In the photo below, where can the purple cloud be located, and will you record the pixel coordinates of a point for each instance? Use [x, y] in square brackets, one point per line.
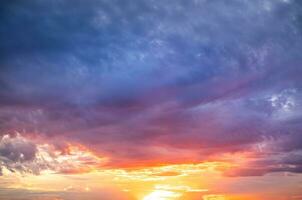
[128, 80]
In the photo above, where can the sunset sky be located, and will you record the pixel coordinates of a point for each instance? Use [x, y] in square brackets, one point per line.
[151, 100]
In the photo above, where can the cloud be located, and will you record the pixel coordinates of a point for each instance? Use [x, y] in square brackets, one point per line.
[282, 162]
[102, 194]
[16, 152]
[144, 82]
[22, 155]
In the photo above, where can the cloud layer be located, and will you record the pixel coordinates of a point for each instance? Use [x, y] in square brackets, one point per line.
[149, 82]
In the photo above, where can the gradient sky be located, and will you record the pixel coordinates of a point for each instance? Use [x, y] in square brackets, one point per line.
[151, 100]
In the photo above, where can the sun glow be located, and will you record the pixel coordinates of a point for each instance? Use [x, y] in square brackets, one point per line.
[214, 197]
[162, 195]
[69, 168]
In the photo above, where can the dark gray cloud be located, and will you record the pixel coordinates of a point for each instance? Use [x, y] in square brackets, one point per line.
[15, 153]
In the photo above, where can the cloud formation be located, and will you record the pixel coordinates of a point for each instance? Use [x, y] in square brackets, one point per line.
[15, 153]
[18, 154]
[142, 82]
[104, 194]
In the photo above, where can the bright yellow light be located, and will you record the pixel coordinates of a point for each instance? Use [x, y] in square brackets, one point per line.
[214, 197]
[161, 195]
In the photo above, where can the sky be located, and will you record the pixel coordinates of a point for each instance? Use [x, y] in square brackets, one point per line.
[151, 100]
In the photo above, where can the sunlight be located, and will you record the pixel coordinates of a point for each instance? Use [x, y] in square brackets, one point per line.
[214, 197]
[162, 195]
